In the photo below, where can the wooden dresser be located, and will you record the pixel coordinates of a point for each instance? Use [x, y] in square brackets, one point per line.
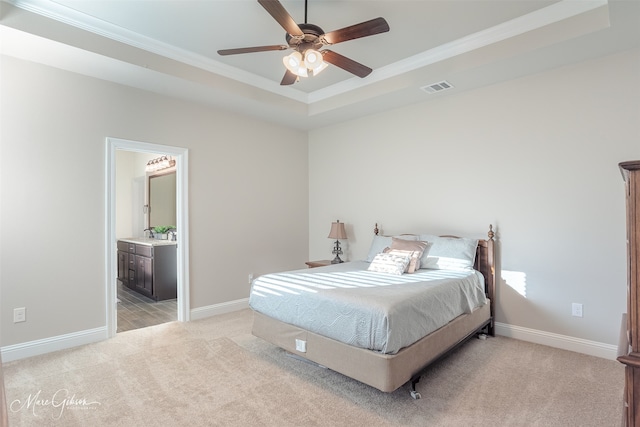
[631, 174]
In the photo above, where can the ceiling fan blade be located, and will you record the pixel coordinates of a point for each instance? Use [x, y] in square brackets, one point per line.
[237, 51]
[364, 29]
[281, 15]
[346, 64]
[288, 79]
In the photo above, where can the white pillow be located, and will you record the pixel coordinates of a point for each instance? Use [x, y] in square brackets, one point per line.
[378, 245]
[390, 263]
[450, 253]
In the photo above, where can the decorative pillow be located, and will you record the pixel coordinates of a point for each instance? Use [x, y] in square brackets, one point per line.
[450, 253]
[423, 247]
[389, 263]
[414, 258]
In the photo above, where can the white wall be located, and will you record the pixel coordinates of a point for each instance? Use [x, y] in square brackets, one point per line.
[536, 157]
[248, 195]
[130, 192]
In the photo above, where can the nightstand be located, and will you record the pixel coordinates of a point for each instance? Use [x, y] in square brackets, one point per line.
[320, 263]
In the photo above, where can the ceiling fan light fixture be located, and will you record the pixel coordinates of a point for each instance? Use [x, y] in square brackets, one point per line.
[293, 62]
[319, 68]
[314, 62]
[312, 59]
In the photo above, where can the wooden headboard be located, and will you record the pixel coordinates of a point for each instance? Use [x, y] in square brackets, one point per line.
[485, 264]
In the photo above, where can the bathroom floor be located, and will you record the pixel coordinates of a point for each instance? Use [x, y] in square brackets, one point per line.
[136, 311]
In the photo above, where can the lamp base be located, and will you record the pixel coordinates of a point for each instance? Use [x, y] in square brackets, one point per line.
[337, 251]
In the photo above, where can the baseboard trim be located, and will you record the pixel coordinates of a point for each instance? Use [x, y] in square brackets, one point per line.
[48, 345]
[222, 308]
[62, 342]
[592, 348]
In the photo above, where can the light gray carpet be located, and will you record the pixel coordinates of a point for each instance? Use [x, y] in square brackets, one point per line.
[213, 372]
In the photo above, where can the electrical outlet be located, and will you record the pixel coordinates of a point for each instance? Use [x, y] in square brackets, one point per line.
[250, 279]
[19, 315]
[576, 309]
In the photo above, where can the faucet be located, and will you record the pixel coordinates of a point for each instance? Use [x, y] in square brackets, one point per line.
[150, 230]
[172, 231]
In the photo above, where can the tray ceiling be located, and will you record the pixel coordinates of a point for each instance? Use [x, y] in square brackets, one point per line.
[170, 46]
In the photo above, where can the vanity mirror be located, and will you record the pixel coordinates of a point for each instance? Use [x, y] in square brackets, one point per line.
[162, 199]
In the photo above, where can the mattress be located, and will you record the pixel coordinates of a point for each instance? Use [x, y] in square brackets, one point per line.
[370, 310]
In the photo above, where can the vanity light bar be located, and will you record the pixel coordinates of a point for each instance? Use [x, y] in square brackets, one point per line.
[160, 163]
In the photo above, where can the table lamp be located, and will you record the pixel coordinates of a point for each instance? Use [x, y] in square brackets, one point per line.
[337, 232]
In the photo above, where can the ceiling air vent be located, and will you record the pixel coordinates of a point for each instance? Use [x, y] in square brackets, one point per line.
[437, 87]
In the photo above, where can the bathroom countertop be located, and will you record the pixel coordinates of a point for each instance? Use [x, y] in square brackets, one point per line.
[149, 242]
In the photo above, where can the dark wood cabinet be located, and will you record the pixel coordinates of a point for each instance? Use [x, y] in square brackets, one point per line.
[148, 269]
[631, 360]
[144, 275]
[123, 266]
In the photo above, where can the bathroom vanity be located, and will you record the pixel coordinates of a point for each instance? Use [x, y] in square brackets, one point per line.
[148, 266]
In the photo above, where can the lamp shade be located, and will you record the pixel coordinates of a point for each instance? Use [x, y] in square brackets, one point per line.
[337, 231]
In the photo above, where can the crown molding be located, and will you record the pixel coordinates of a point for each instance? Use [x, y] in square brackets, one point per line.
[66, 15]
[554, 13]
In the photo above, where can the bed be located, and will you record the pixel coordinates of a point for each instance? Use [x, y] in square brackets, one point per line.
[377, 327]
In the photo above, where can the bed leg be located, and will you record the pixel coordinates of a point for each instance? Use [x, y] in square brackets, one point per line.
[489, 330]
[416, 395]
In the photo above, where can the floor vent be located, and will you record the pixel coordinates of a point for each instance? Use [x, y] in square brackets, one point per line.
[437, 87]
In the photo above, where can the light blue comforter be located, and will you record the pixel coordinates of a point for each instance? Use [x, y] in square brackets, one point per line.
[376, 311]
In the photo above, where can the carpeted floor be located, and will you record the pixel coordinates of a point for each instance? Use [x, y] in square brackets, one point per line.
[213, 372]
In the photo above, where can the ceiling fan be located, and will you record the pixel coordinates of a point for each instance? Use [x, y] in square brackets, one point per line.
[307, 39]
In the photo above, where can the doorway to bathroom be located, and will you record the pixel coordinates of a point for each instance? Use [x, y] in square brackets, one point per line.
[131, 301]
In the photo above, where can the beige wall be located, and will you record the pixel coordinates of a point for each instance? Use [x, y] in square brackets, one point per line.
[536, 157]
[248, 195]
[131, 181]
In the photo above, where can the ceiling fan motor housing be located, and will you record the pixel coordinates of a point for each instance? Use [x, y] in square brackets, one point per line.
[311, 38]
